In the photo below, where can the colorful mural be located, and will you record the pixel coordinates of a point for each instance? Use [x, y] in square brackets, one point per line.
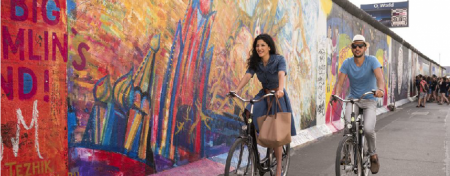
[166, 106]
[147, 100]
[399, 83]
[138, 87]
[414, 72]
[33, 69]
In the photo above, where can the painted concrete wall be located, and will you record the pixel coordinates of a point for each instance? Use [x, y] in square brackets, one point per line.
[138, 87]
[34, 59]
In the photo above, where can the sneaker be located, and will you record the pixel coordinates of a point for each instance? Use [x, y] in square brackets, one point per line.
[374, 164]
[439, 103]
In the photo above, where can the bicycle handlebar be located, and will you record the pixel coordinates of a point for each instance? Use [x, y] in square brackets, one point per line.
[233, 94]
[354, 100]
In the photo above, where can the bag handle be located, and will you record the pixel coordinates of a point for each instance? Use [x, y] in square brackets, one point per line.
[269, 106]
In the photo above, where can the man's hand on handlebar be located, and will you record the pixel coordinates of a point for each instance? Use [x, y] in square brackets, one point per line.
[333, 99]
[379, 93]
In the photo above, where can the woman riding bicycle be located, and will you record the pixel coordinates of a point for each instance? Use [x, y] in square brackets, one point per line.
[271, 71]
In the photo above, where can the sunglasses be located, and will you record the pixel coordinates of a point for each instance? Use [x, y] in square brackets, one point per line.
[358, 45]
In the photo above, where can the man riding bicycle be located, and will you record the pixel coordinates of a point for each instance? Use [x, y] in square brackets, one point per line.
[365, 74]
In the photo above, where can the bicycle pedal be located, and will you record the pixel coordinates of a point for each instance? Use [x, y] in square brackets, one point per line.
[345, 160]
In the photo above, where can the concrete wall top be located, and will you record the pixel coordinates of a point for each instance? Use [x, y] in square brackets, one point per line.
[357, 12]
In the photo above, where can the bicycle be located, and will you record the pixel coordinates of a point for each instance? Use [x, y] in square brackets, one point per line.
[352, 156]
[244, 152]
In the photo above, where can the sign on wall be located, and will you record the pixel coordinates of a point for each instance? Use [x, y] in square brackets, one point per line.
[391, 14]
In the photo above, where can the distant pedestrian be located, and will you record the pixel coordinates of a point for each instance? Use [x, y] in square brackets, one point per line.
[443, 83]
[448, 87]
[422, 92]
[429, 91]
[434, 88]
[417, 83]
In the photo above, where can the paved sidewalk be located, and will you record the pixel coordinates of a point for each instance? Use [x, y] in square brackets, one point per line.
[410, 142]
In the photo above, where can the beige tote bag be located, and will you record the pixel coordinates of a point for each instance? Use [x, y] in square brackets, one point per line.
[274, 130]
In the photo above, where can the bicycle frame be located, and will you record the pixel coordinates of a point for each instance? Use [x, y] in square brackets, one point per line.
[250, 134]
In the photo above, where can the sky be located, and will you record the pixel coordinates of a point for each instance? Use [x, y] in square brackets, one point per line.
[429, 27]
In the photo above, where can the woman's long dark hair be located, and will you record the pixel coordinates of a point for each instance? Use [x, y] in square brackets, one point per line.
[254, 58]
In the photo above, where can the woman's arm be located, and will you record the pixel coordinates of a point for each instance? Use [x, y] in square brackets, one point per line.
[243, 82]
[281, 79]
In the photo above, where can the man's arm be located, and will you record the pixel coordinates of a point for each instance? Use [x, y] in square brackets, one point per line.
[380, 82]
[341, 79]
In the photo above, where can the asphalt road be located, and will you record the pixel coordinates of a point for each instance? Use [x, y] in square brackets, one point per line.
[410, 142]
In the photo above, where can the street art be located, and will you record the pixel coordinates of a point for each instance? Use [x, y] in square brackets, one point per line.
[138, 87]
[149, 115]
[414, 73]
[33, 83]
[399, 70]
[424, 66]
[433, 69]
[168, 105]
[400, 75]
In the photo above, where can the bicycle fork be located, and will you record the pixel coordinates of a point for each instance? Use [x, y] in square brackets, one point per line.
[365, 156]
[358, 132]
[361, 140]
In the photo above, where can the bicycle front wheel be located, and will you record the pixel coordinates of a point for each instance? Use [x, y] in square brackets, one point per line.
[366, 158]
[270, 158]
[286, 159]
[348, 160]
[240, 159]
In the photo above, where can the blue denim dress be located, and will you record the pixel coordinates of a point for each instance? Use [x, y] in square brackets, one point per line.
[268, 76]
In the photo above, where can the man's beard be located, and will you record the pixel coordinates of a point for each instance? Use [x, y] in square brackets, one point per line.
[358, 56]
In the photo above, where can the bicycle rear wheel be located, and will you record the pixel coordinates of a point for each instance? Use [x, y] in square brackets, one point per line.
[347, 158]
[240, 159]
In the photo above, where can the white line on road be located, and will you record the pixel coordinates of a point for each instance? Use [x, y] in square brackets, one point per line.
[420, 113]
[447, 155]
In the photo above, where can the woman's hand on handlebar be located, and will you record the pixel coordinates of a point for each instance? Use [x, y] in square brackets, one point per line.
[279, 93]
[232, 93]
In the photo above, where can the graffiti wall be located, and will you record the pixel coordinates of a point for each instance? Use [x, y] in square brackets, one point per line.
[138, 87]
[423, 66]
[414, 72]
[399, 72]
[33, 69]
[151, 81]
